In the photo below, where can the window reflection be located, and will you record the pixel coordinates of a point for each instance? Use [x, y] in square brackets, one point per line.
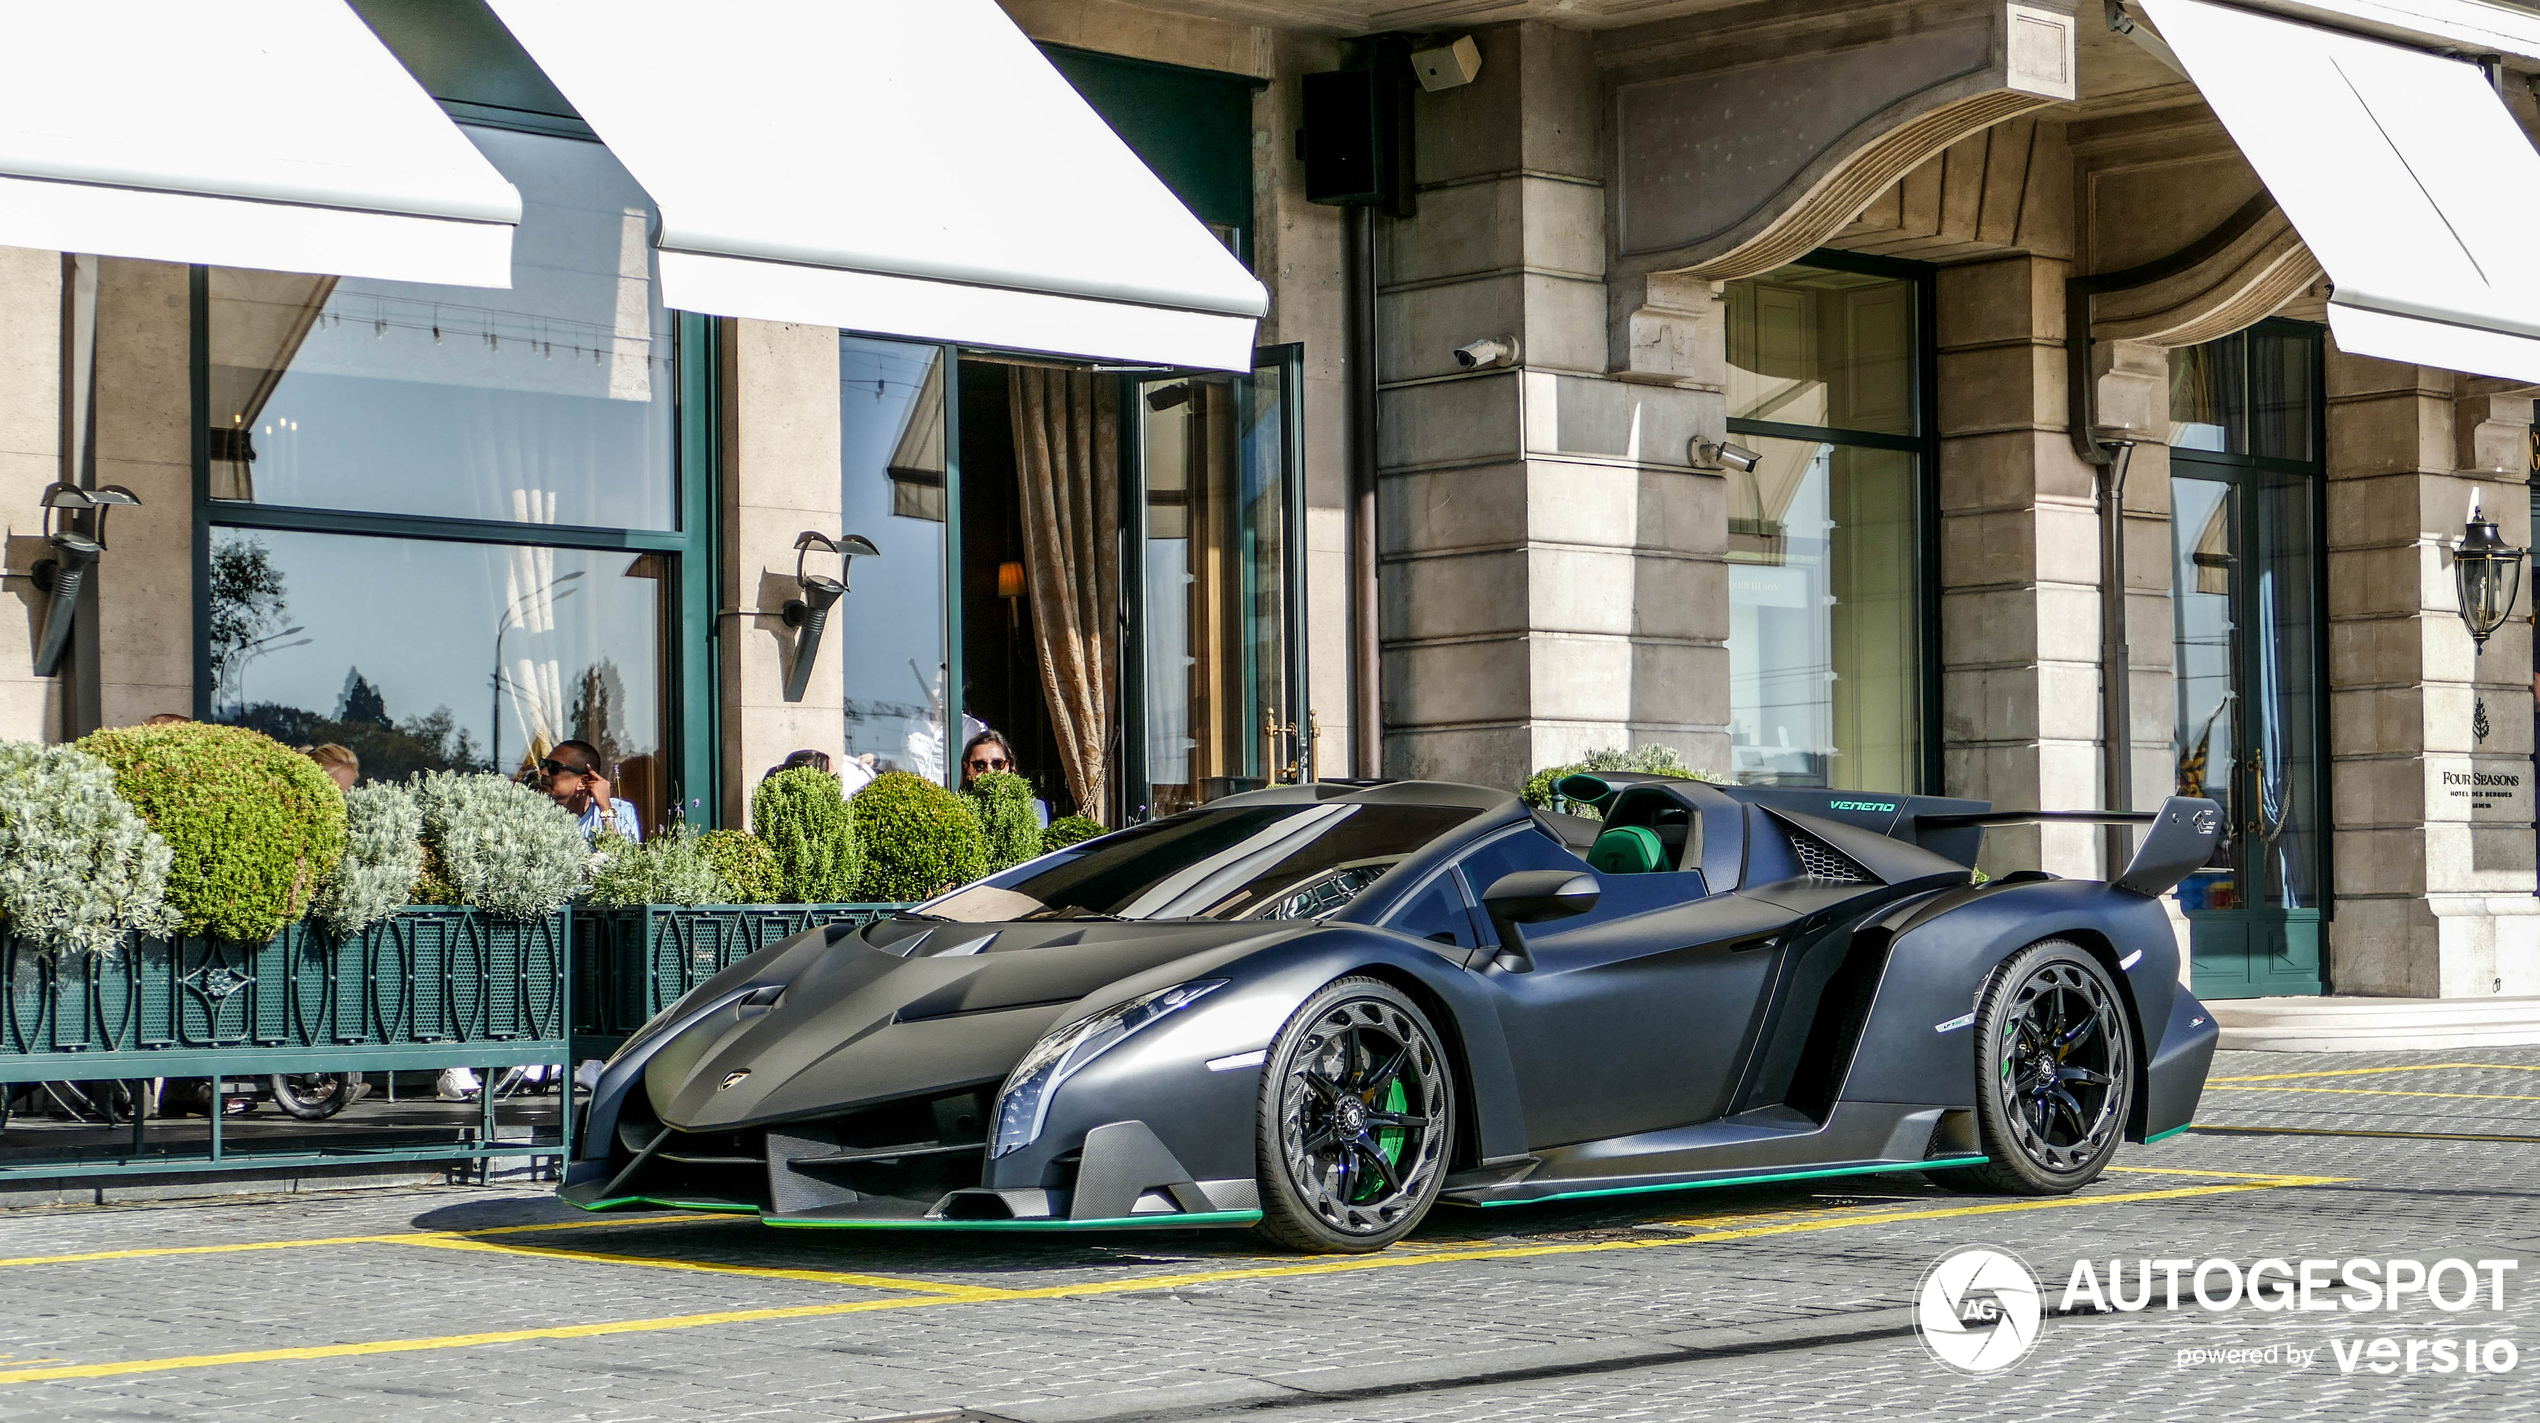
[891, 447]
[443, 656]
[548, 403]
[1824, 641]
[1808, 346]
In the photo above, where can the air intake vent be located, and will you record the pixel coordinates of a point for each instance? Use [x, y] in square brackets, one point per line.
[1819, 860]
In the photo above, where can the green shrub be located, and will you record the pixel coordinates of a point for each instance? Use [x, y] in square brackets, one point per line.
[1002, 802]
[77, 868]
[803, 817]
[1655, 760]
[671, 868]
[500, 845]
[747, 866]
[919, 839]
[252, 825]
[1069, 830]
[383, 855]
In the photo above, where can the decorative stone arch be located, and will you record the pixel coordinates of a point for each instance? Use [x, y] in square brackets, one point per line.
[1783, 131]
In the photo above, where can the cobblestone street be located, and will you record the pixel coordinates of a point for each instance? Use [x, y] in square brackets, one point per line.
[1749, 1303]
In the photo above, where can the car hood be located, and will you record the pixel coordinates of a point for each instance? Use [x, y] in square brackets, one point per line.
[899, 1009]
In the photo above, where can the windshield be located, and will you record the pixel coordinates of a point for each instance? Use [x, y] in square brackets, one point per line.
[1241, 862]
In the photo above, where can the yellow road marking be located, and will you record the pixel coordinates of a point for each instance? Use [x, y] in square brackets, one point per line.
[822, 1277]
[2337, 1131]
[1084, 1289]
[2218, 1175]
[2367, 1071]
[392, 1238]
[2384, 1092]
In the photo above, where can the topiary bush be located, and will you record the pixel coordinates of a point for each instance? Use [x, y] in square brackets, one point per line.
[1655, 760]
[499, 845]
[1002, 802]
[748, 867]
[1069, 830]
[670, 868]
[252, 825]
[383, 856]
[803, 817]
[919, 839]
[78, 869]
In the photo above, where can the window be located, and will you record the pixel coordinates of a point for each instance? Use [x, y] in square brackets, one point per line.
[2250, 393]
[1827, 640]
[447, 523]
[895, 474]
[1438, 913]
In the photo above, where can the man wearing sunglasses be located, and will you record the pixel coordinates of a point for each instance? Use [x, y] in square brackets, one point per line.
[572, 776]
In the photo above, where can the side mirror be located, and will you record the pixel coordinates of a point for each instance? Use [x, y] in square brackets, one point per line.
[1530, 897]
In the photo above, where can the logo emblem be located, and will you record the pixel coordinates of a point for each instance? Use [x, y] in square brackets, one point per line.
[2208, 820]
[732, 1080]
[1978, 1310]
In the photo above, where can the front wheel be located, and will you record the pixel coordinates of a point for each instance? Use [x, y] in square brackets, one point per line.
[1356, 1121]
[312, 1097]
[2055, 1073]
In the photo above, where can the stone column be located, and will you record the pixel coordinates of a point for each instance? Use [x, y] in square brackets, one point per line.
[1299, 258]
[2433, 892]
[30, 458]
[2019, 565]
[1554, 572]
[780, 477]
[145, 442]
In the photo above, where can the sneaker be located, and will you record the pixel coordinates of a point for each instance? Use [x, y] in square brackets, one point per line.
[457, 1084]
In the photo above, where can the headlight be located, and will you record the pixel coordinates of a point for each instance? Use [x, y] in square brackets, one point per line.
[1023, 1103]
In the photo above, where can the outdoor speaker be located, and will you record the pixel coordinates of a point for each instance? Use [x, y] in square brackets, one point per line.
[1356, 140]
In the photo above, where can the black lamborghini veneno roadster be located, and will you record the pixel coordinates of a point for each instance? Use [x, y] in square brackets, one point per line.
[1322, 1009]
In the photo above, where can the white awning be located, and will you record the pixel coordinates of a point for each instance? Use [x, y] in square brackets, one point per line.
[909, 170]
[2402, 170]
[278, 135]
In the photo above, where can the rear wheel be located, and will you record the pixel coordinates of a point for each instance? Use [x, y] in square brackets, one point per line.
[2055, 1074]
[312, 1096]
[1357, 1114]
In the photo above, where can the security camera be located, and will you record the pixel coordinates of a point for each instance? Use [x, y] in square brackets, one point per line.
[1720, 454]
[1484, 354]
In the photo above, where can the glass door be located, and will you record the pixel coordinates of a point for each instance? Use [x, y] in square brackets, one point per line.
[2245, 589]
[1215, 544]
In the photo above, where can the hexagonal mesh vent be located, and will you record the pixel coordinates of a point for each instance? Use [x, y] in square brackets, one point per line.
[1819, 860]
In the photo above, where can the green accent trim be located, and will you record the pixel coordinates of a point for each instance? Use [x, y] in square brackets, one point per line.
[613, 1202]
[1880, 1169]
[1137, 781]
[2166, 1135]
[1191, 127]
[1184, 1218]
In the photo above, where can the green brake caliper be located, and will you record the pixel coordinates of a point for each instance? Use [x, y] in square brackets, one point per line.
[1389, 1140]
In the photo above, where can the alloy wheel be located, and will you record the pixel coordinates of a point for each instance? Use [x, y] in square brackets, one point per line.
[1363, 1116]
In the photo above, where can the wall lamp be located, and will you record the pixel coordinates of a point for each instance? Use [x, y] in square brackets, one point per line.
[74, 554]
[810, 612]
[2489, 572]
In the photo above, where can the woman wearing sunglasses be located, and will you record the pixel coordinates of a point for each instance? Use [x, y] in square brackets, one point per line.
[985, 752]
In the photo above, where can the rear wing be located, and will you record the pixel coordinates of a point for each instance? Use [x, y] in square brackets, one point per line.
[2180, 840]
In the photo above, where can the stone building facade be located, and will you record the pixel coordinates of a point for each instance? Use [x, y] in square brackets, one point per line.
[1987, 284]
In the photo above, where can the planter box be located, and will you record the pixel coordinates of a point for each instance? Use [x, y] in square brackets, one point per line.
[402, 993]
[630, 963]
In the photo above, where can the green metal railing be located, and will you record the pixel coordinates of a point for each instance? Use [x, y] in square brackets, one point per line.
[631, 963]
[431, 987]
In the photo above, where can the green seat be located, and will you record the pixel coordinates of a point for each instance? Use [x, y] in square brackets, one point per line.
[1627, 850]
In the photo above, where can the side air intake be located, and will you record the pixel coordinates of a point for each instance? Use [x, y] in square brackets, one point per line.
[1821, 861]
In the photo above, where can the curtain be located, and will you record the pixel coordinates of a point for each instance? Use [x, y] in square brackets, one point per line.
[1067, 460]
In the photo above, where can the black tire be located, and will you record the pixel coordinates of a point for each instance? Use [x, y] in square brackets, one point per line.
[313, 1097]
[1357, 1119]
[2055, 1074]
